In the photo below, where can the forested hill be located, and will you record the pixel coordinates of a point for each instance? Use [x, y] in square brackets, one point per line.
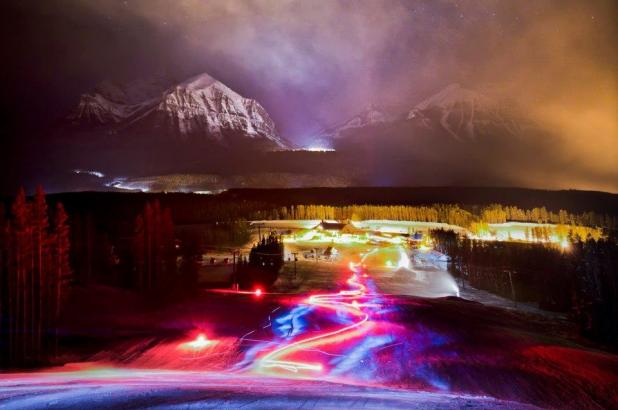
[120, 208]
[570, 200]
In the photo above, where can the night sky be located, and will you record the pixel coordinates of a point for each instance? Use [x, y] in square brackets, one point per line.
[314, 63]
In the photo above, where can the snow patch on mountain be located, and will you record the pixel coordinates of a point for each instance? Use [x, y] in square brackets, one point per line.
[96, 109]
[454, 95]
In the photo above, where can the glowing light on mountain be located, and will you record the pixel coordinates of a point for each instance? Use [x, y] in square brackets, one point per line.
[89, 172]
[319, 149]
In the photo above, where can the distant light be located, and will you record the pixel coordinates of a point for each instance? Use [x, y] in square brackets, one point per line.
[89, 172]
[199, 343]
[320, 149]
[315, 149]
[565, 245]
[258, 292]
[404, 260]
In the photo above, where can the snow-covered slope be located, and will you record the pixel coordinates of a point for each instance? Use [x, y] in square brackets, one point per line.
[454, 95]
[371, 116]
[200, 107]
[464, 113]
[111, 104]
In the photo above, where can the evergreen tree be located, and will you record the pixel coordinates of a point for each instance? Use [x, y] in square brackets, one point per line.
[21, 256]
[40, 226]
[61, 272]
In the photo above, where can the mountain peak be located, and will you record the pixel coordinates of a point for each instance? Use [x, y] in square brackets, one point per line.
[464, 113]
[371, 115]
[199, 107]
[454, 94]
[198, 82]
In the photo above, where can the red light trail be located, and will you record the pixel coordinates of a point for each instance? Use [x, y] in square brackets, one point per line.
[344, 302]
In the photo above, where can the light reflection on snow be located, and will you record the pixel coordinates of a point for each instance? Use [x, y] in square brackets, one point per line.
[89, 172]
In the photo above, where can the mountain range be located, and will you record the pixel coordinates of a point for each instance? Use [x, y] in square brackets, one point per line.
[203, 109]
[200, 126]
[454, 112]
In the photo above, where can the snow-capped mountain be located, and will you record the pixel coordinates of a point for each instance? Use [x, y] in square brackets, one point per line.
[203, 104]
[373, 115]
[454, 112]
[464, 113]
[200, 107]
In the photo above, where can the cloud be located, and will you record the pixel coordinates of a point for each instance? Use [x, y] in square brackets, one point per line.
[562, 71]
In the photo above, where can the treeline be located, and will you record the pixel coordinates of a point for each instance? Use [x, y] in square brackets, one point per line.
[497, 213]
[539, 233]
[581, 279]
[34, 273]
[233, 206]
[572, 200]
[434, 213]
[445, 213]
[131, 247]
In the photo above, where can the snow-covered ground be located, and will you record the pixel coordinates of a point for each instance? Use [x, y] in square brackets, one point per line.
[130, 389]
[489, 299]
[417, 276]
[404, 227]
[404, 341]
[516, 231]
